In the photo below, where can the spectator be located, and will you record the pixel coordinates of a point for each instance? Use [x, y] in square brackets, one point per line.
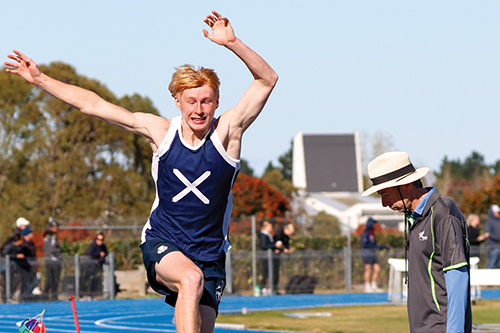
[92, 270]
[369, 249]
[20, 268]
[475, 239]
[283, 235]
[266, 241]
[21, 223]
[492, 227]
[53, 259]
[30, 252]
[282, 240]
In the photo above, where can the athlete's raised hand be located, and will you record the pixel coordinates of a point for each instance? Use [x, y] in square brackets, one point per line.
[23, 66]
[222, 32]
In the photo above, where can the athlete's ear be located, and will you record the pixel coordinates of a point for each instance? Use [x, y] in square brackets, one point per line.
[177, 100]
[217, 103]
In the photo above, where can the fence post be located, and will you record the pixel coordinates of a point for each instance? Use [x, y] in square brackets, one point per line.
[229, 273]
[254, 255]
[8, 291]
[77, 276]
[111, 279]
[270, 270]
[347, 269]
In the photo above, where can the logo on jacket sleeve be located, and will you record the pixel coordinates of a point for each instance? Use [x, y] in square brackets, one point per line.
[421, 236]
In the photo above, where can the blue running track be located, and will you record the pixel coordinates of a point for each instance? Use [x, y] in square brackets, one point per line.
[153, 315]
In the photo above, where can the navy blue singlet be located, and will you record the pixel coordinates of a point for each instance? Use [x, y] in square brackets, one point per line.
[193, 194]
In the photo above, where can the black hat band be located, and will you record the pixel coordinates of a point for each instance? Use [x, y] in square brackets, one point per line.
[393, 175]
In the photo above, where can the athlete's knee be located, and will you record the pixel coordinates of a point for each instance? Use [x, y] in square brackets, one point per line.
[192, 281]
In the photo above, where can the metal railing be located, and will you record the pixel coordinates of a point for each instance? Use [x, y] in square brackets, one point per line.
[43, 279]
[319, 271]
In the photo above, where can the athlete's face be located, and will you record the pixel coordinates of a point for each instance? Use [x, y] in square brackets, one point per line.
[198, 107]
[392, 199]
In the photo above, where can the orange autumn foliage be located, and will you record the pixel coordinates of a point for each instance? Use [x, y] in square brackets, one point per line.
[254, 196]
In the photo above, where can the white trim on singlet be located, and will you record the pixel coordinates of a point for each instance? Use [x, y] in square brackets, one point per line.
[162, 149]
[220, 148]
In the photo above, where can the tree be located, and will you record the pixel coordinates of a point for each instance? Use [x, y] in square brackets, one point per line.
[254, 196]
[455, 176]
[245, 168]
[281, 177]
[286, 161]
[324, 225]
[371, 147]
[275, 178]
[374, 145]
[55, 161]
[479, 200]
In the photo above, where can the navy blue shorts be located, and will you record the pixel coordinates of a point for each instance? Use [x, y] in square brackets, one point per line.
[369, 256]
[153, 250]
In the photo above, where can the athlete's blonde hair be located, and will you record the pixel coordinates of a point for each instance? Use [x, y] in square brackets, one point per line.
[187, 77]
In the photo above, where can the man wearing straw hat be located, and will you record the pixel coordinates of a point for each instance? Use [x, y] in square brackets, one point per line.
[437, 248]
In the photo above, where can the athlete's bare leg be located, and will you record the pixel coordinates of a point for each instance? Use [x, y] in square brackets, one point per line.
[178, 273]
[376, 271]
[208, 316]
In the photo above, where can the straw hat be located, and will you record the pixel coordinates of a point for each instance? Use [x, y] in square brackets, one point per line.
[392, 169]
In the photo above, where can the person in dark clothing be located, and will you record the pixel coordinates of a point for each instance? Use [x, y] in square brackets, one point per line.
[282, 241]
[475, 237]
[21, 223]
[283, 235]
[92, 266]
[437, 245]
[369, 249]
[492, 227]
[20, 268]
[53, 260]
[267, 242]
[30, 253]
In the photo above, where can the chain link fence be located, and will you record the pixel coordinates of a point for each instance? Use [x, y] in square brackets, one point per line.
[43, 279]
[305, 270]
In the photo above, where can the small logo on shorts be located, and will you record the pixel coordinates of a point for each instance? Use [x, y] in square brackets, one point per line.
[219, 290]
[421, 236]
[162, 249]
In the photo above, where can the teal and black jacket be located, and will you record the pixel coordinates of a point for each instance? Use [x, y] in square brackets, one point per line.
[437, 243]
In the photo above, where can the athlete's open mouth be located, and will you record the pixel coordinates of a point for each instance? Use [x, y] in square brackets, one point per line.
[199, 119]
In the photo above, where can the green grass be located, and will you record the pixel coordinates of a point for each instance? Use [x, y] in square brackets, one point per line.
[352, 319]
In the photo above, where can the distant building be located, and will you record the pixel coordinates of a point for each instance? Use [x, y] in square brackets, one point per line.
[327, 172]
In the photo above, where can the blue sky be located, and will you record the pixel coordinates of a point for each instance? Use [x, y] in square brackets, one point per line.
[425, 74]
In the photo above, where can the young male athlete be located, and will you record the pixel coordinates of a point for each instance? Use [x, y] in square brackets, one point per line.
[195, 162]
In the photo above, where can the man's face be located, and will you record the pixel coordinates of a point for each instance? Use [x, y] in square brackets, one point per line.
[198, 107]
[392, 199]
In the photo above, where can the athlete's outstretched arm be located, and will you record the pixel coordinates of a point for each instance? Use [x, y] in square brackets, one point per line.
[84, 100]
[237, 119]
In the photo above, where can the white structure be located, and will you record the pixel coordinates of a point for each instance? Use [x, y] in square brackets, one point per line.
[327, 172]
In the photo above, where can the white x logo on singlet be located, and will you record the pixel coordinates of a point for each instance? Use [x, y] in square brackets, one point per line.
[191, 187]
